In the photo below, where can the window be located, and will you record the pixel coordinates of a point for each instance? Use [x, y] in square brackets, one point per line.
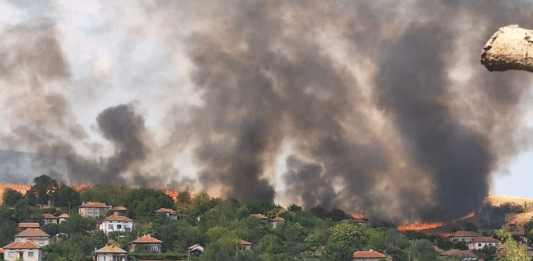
[479, 245]
[119, 226]
[11, 254]
[110, 226]
[41, 242]
[30, 254]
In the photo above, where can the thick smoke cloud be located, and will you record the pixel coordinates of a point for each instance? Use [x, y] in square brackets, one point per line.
[384, 109]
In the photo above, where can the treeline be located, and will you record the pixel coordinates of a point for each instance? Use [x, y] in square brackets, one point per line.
[217, 224]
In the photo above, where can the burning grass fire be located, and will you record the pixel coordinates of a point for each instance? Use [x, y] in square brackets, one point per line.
[419, 226]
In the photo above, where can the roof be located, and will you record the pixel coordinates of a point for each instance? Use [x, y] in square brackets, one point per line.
[111, 249]
[90, 204]
[49, 216]
[119, 208]
[278, 219]
[259, 216]
[1, 250]
[32, 232]
[22, 245]
[117, 218]
[464, 234]
[146, 239]
[242, 242]
[64, 215]
[196, 247]
[359, 218]
[368, 254]
[486, 240]
[28, 225]
[459, 253]
[167, 210]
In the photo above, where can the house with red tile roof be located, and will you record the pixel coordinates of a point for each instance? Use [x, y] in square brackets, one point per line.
[463, 236]
[276, 220]
[35, 235]
[482, 242]
[259, 217]
[243, 245]
[146, 243]
[170, 213]
[463, 255]
[93, 209]
[62, 217]
[195, 250]
[49, 219]
[118, 211]
[24, 225]
[110, 253]
[370, 255]
[26, 251]
[115, 224]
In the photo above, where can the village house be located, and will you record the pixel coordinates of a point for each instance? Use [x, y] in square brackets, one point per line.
[22, 226]
[49, 219]
[195, 250]
[115, 224]
[25, 251]
[118, 211]
[93, 209]
[62, 217]
[276, 220]
[260, 217]
[463, 255]
[370, 255]
[244, 245]
[482, 242]
[35, 235]
[170, 213]
[463, 236]
[146, 243]
[110, 253]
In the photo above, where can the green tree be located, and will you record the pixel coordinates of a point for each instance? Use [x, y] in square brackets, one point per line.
[349, 234]
[65, 197]
[7, 227]
[270, 244]
[142, 203]
[51, 229]
[337, 251]
[11, 197]
[423, 250]
[43, 188]
[218, 251]
[22, 211]
[514, 251]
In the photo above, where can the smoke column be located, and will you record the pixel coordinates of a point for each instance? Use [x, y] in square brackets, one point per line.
[382, 108]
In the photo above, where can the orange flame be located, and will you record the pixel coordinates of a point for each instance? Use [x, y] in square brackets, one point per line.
[418, 226]
[19, 188]
[80, 187]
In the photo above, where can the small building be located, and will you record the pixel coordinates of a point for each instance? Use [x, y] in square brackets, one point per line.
[49, 219]
[463, 236]
[260, 217]
[370, 255]
[195, 250]
[356, 218]
[118, 211]
[170, 213]
[23, 226]
[25, 251]
[93, 209]
[463, 255]
[116, 224]
[276, 220]
[244, 245]
[146, 243]
[110, 253]
[35, 235]
[482, 242]
[62, 217]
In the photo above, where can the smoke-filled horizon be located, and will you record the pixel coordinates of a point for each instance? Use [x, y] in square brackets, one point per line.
[369, 107]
